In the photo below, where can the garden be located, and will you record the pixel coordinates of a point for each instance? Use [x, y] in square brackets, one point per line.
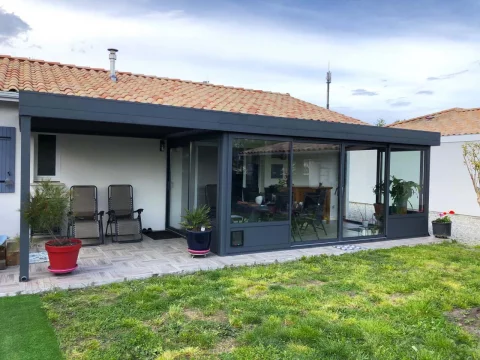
[419, 302]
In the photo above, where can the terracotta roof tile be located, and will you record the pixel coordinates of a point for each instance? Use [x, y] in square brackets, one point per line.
[455, 121]
[43, 76]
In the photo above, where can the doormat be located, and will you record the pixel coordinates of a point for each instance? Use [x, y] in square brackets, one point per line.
[38, 257]
[162, 235]
[349, 247]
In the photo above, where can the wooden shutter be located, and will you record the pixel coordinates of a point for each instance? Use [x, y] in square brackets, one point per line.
[7, 159]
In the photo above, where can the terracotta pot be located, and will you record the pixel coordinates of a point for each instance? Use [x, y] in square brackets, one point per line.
[13, 258]
[63, 259]
[379, 209]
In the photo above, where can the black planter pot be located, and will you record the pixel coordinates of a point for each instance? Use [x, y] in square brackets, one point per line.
[442, 230]
[199, 240]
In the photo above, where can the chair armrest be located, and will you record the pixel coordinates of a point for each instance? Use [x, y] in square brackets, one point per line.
[111, 212]
[139, 211]
[101, 213]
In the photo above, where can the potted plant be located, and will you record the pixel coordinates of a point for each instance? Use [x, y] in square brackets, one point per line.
[46, 210]
[379, 191]
[442, 225]
[400, 192]
[365, 220]
[199, 229]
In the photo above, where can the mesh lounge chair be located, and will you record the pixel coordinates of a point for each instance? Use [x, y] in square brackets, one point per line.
[122, 225]
[85, 221]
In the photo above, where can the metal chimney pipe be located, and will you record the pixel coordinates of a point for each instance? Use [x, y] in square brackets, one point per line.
[112, 57]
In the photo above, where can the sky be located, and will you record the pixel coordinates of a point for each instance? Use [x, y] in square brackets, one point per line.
[389, 59]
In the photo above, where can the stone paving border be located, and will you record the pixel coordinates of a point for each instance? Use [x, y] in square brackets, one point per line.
[119, 262]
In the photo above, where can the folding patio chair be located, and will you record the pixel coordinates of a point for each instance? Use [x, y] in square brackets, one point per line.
[85, 222]
[122, 225]
[312, 214]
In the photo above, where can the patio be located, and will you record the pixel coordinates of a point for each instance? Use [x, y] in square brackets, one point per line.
[118, 262]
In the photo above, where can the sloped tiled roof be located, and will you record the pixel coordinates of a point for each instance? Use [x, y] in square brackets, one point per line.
[456, 121]
[18, 74]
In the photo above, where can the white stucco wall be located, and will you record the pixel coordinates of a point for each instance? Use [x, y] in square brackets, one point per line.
[95, 160]
[450, 184]
[103, 161]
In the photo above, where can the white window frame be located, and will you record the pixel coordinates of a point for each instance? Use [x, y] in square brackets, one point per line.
[37, 177]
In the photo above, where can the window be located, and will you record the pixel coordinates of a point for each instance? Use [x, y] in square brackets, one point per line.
[315, 180]
[407, 169]
[46, 155]
[260, 184]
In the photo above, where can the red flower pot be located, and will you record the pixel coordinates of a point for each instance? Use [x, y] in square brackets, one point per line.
[63, 259]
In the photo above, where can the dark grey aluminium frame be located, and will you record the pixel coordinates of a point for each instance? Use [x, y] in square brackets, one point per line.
[262, 231]
[81, 115]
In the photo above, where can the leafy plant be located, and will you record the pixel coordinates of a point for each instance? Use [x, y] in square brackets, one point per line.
[47, 208]
[195, 219]
[402, 190]
[471, 157]
[443, 218]
[379, 189]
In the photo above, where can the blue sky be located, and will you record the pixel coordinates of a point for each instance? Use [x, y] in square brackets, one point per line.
[389, 59]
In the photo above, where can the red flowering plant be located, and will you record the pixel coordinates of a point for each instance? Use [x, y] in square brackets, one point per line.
[444, 218]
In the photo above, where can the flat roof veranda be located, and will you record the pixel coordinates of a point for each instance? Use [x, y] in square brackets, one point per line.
[46, 109]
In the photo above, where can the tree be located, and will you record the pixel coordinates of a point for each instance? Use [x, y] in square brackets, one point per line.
[380, 122]
[471, 157]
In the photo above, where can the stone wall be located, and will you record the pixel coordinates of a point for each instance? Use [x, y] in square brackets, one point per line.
[465, 229]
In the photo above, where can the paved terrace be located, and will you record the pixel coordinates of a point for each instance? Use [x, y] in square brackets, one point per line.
[118, 262]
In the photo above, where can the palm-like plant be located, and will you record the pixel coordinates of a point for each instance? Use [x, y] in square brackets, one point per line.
[196, 219]
[47, 208]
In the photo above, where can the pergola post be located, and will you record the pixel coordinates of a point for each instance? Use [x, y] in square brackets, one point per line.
[25, 128]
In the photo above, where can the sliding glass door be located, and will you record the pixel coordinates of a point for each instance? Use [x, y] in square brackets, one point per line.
[179, 184]
[315, 183]
[193, 179]
[364, 191]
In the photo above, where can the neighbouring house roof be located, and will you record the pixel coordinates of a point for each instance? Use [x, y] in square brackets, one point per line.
[456, 121]
[18, 74]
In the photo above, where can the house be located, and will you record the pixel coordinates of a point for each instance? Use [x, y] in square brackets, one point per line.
[259, 159]
[450, 184]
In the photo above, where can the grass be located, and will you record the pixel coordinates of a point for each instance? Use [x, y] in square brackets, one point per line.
[402, 303]
[25, 332]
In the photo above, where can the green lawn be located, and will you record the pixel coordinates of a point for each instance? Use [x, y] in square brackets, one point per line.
[25, 332]
[403, 303]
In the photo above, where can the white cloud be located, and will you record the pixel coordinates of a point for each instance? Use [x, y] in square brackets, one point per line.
[258, 55]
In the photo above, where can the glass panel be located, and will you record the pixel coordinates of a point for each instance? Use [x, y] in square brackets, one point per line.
[364, 210]
[204, 177]
[179, 176]
[260, 184]
[406, 181]
[46, 157]
[315, 177]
